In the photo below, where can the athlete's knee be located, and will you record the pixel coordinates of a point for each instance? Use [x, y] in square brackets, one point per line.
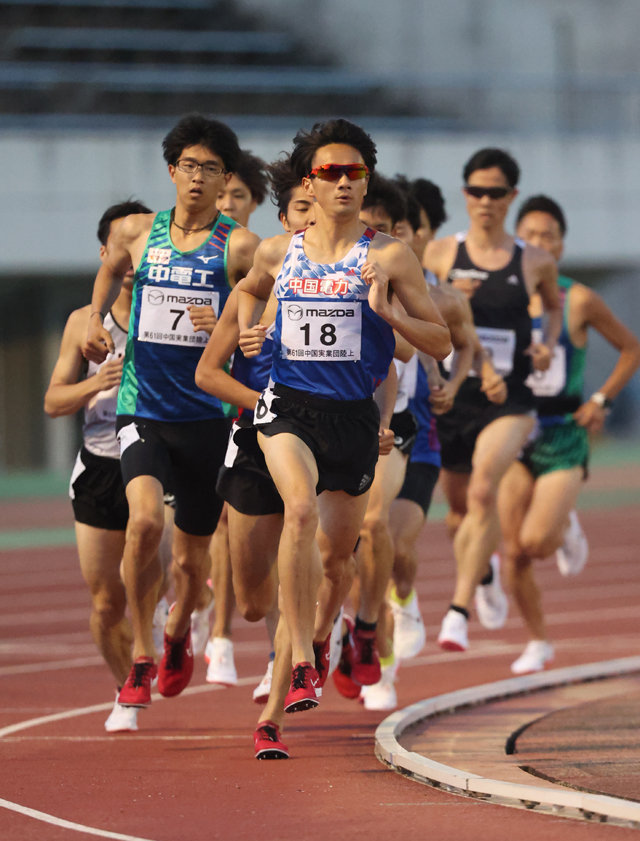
[538, 545]
[108, 607]
[301, 515]
[144, 528]
[482, 493]
[375, 528]
[253, 605]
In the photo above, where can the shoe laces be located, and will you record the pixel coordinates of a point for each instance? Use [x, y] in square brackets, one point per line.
[299, 677]
[174, 650]
[269, 732]
[140, 671]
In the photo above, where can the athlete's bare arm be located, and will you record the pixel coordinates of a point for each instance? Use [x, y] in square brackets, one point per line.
[385, 396]
[254, 291]
[242, 248]
[439, 255]
[125, 248]
[541, 275]
[587, 309]
[392, 265]
[67, 391]
[456, 312]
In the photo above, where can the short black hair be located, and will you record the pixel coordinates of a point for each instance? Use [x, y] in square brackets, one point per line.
[543, 204]
[430, 198]
[283, 180]
[251, 170]
[307, 143]
[118, 211]
[490, 157]
[198, 130]
[412, 204]
[382, 192]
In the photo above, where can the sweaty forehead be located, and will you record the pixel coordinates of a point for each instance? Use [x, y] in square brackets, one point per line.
[336, 153]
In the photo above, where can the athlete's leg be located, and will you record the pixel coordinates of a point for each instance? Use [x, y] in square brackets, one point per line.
[374, 555]
[141, 568]
[454, 486]
[100, 553]
[406, 520]
[479, 533]
[221, 577]
[341, 517]
[254, 544]
[295, 474]
[190, 572]
[554, 497]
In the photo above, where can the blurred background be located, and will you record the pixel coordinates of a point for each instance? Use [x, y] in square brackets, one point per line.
[89, 88]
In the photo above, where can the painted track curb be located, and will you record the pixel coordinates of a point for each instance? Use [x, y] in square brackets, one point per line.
[557, 800]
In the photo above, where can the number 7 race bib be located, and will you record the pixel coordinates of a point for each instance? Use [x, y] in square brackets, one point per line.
[164, 317]
[321, 332]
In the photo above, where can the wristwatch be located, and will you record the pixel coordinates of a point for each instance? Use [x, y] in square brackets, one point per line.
[601, 400]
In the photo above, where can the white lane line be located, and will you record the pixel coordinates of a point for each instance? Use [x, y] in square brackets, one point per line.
[76, 827]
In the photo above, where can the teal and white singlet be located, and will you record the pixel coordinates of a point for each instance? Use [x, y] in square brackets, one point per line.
[163, 350]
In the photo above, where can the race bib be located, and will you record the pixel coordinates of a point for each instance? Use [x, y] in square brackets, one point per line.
[551, 382]
[164, 317]
[500, 347]
[321, 332]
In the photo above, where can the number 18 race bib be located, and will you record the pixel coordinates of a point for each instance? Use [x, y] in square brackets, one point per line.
[321, 332]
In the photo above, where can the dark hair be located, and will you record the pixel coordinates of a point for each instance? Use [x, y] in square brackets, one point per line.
[487, 158]
[431, 200]
[545, 205]
[251, 171]
[307, 143]
[382, 192]
[283, 180]
[412, 204]
[197, 130]
[118, 211]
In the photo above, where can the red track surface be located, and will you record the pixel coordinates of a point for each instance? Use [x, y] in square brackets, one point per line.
[189, 772]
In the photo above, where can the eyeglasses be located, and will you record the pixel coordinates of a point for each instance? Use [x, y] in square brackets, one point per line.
[493, 192]
[334, 172]
[190, 166]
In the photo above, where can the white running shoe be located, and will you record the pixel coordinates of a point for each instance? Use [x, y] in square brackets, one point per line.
[200, 629]
[335, 643]
[491, 602]
[222, 668]
[381, 695]
[572, 555]
[409, 633]
[160, 615]
[261, 692]
[121, 719]
[534, 658]
[453, 632]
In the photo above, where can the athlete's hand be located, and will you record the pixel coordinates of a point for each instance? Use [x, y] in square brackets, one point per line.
[386, 438]
[202, 318]
[252, 339]
[441, 397]
[378, 280]
[109, 374]
[591, 416]
[540, 356]
[494, 388]
[98, 342]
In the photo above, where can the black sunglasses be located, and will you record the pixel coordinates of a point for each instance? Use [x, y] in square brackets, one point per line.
[492, 192]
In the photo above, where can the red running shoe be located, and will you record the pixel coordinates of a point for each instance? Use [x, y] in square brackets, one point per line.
[268, 743]
[342, 675]
[136, 691]
[322, 650]
[302, 692]
[365, 669]
[176, 667]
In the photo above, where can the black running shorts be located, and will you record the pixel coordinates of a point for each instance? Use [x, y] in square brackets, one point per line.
[341, 434]
[97, 492]
[185, 457]
[419, 483]
[244, 481]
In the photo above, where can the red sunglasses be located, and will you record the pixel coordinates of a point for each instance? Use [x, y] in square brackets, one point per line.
[334, 172]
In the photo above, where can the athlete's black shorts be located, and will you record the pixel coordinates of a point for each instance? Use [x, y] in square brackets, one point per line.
[405, 431]
[419, 483]
[185, 457]
[244, 481]
[341, 434]
[97, 492]
[459, 428]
